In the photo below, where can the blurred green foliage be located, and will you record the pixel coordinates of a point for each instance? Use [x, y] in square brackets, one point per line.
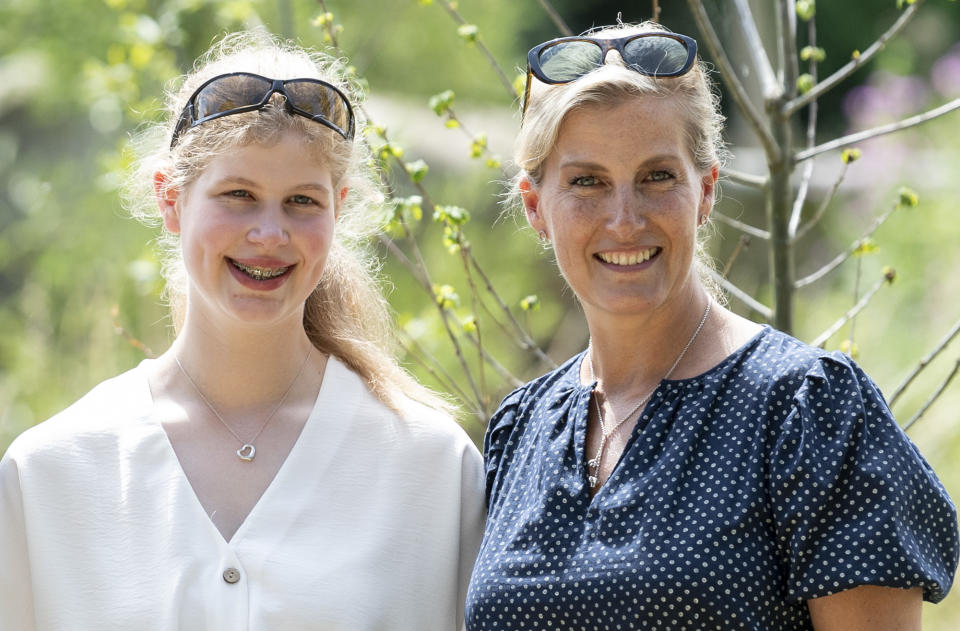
[80, 290]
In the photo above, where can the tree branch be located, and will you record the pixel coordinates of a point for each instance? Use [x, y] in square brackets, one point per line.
[823, 205]
[925, 362]
[739, 225]
[843, 256]
[821, 88]
[934, 396]
[851, 313]
[730, 78]
[761, 63]
[483, 49]
[765, 311]
[807, 174]
[556, 19]
[748, 179]
[879, 131]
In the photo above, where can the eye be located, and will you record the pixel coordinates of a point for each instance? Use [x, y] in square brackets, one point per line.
[660, 176]
[585, 180]
[302, 200]
[239, 193]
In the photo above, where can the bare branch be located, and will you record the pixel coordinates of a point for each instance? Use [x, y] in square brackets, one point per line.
[435, 368]
[656, 11]
[852, 312]
[823, 205]
[730, 78]
[765, 311]
[807, 174]
[742, 242]
[934, 396]
[740, 177]
[925, 362]
[843, 256]
[526, 342]
[555, 17]
[819, 89]
[507, 376]
[879, 131]
[483, 49]
[739, 225]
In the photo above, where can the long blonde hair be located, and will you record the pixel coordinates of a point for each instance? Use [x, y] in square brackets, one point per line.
[346, 315]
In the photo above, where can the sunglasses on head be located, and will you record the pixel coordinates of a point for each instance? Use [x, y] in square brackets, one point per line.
[239, 92]
[566, 59]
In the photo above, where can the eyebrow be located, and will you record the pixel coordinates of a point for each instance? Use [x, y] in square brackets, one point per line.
[237, 179]
[587, 164]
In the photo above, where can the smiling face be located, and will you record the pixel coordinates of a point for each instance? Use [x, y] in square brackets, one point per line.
[621, 199]
[255, 228]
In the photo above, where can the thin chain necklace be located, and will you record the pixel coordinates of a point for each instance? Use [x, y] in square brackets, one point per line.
[247, 451]
[593, 473]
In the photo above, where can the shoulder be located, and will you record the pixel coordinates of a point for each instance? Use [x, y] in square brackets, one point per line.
[102, 411]
[409, 424]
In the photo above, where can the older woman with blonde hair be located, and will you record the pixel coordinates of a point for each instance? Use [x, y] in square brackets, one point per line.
[690, 469]
[275, 468]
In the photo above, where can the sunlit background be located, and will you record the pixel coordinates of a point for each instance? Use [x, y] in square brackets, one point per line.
[80, 291]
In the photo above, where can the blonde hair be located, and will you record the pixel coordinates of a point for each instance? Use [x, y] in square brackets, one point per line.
[346, 315]
[608, 86]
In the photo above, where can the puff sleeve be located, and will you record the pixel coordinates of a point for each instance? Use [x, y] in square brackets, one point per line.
[497, 440]
[853, 501]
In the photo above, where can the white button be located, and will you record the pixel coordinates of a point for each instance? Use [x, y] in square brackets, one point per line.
[231, 575]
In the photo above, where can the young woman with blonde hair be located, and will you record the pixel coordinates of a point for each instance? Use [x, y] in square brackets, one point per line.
[275, 468]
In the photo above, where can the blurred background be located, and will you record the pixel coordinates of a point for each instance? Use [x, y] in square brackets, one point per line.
[80, 289]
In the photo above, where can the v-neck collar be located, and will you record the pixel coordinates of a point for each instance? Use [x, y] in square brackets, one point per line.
[330, 403]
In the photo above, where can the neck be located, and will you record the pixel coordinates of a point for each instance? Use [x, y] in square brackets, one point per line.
[631, 354]
[241, 368]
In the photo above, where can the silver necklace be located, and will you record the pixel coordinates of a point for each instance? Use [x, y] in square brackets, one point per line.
[593, 473]
[247, 451]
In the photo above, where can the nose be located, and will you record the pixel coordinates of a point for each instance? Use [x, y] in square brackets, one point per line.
[626, 214]
[269, 228]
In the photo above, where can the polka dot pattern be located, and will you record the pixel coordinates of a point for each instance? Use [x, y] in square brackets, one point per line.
[778, 476]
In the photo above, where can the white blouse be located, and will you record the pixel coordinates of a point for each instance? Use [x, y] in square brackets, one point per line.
[372, 522]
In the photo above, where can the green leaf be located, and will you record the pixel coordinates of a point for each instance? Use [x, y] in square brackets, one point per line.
[469, 324]
[903, 3]
[520, 84]
[446, 296]
[452, 123]
[889, 274]
[804, 83]
[908, 197]
[479, 145]
[866, 246]
[469, 32]
[417, 170]
[850, 348]
[806, 9]
[442, 102]
[453, 215]
[530, 303]
[849, 155]
[814, 53]
[493, 162]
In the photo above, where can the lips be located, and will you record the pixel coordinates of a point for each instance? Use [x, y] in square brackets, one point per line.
[632, 257]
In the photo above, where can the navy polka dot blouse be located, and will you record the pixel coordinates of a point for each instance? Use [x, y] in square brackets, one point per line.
[777, 476]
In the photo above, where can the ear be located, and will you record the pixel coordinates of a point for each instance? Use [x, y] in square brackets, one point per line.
[708, 188]
[338, 200]
[166, 197]
[531, 205]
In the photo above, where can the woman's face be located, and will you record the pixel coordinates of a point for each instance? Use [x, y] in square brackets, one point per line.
[255, 229]
[620, 200]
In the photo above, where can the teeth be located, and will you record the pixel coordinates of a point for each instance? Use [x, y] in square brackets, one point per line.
[260, 273]
[624, 258]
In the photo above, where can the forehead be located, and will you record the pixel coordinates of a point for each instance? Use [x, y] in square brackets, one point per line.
[634, 127]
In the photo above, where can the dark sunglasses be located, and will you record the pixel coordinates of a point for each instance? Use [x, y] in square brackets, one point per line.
[239, 92]
[566, 59]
